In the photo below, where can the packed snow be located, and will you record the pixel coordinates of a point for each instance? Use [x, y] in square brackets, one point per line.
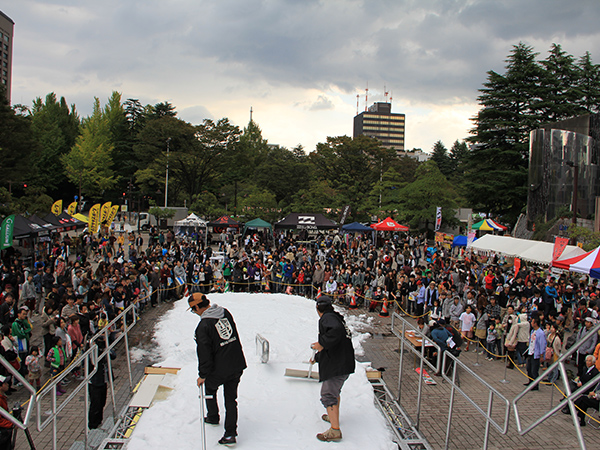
[275, 412]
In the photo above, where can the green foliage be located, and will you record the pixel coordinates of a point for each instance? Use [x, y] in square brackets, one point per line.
[16, 144]
[161, 213]
[206, 204]
[442, 159]
[36, 201]
[418, 201]
[55, 127]
[590, 239]
[88, 164]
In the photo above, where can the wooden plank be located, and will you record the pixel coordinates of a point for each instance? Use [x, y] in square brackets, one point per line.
[161, 370]
[297, 373]
[145, 394]
[373, 374]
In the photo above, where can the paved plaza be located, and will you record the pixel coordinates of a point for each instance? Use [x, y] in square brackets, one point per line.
[382, 350]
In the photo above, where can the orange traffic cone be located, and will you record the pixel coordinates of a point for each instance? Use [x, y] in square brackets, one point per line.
[353, 303]
[318, 293]
[384, 312]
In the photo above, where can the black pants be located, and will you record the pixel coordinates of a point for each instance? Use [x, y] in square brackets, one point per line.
[6, 438]
[97, 402]
[584, 402]
[230, 386]
[533, 367]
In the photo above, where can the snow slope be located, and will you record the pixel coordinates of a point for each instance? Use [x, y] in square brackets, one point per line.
[275, 412]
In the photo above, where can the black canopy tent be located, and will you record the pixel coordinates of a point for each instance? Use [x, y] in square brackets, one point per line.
[306, 221]
[224, 222]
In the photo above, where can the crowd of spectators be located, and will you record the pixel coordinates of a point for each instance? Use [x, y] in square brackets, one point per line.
[82, 283]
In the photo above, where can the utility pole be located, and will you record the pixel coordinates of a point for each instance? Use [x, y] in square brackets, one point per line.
[167, 176]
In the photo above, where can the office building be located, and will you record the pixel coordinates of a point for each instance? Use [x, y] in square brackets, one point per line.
[6, 37]
[379, 122]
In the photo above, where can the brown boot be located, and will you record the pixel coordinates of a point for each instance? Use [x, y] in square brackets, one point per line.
[330, 435]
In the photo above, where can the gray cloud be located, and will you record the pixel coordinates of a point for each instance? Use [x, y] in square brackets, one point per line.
[425, 51]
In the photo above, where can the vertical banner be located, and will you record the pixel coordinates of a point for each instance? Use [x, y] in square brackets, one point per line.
[438, 218]
[94, 219]
[104, 211]
[6, 232]
[112, 214]
[56, 208]
[517, 265]
[72, 208]
[345, 213]
[560, 243]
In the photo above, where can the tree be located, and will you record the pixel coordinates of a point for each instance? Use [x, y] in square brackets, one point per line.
[441, 158]
[88, 164]
[124, 160]
[496, 170]
[16, 144]
[418, 200]
[55, 127]
[351, 167]
[163, 109]
[559, 90]
[588, 84]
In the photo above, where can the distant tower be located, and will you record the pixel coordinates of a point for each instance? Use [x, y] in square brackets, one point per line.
[7, 27]
[379, 122]
[251, 114]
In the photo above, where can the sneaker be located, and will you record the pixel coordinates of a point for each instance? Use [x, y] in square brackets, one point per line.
[227, 440]
[211, 421]
[325, 417]
[330, 435]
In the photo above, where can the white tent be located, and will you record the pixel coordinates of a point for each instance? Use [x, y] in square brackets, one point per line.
[534, 251]
[191, 221]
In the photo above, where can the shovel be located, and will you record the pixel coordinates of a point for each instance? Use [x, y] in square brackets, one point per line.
[304, 374]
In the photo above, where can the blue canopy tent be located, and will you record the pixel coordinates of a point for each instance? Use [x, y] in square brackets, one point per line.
[356, 227]
[460, 241]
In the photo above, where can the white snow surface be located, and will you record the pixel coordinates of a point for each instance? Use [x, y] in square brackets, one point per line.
[275, 412]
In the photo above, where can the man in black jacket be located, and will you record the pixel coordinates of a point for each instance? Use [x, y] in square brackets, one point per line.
[220, 361]
[336, 362]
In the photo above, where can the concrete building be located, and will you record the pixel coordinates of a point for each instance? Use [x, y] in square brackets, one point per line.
[379, 122]
[7, 27]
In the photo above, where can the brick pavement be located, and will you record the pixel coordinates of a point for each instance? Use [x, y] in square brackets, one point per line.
[71, 421]
[467, 430]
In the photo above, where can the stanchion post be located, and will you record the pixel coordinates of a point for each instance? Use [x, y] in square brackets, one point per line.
[504, 380]
[477, 363]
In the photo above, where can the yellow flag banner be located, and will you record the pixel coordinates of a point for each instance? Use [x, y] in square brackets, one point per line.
[94, 218]
[72, 209]
[56, 208]
[104, 212]
[112, 214]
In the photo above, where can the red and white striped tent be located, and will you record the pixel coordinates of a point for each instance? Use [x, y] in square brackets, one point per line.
[588, 263]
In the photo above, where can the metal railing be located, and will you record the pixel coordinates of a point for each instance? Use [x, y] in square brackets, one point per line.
[444, 359]
[570, 397]
[111, 338]
[418, 352]
[487, 415]
[128, 319]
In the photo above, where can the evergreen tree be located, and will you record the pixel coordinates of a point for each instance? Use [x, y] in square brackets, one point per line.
[559, 90]
[589, 84]
[441, 158]
[55, 127]
[496, 172]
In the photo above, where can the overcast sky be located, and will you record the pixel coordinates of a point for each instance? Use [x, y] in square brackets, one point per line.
[298, 63]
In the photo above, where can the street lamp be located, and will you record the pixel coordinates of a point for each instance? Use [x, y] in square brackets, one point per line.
[575, 186]
[167, 176]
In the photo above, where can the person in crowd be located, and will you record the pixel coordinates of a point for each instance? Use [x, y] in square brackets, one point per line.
[537, 348]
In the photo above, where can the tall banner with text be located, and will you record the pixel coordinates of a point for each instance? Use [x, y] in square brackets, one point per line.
[112, 214]
[56, 208]
[72, 209]
[104, 211]
[94, 219]
[438, 218]
[560, 243]
[6, 232]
